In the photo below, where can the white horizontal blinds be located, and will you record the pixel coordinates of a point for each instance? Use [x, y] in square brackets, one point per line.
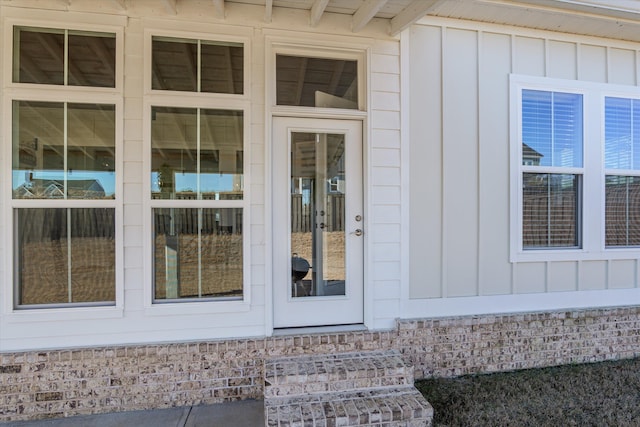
[552, 158]
[622, 164]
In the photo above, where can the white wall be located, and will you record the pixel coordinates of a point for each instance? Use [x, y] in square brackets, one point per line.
[132, 320]
[459, 169]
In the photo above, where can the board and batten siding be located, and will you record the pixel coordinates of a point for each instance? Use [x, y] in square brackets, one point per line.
[459, 144]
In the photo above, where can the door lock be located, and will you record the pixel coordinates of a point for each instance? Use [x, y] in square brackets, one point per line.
[358, 232]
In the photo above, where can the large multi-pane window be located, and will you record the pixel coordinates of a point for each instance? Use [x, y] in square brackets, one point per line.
[622, 169]
[197, 173]
[551, 167]
[63, 165]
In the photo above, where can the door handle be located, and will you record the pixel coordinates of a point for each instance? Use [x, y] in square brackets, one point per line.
[358, 232]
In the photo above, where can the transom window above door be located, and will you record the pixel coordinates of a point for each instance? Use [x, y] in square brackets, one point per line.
[316, 82]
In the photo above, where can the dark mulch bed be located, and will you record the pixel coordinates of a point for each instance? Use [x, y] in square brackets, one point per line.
[599, 394]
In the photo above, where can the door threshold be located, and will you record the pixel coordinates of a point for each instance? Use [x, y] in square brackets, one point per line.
[305, 330]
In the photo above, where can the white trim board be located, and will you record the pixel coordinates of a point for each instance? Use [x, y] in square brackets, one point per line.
[497, 304]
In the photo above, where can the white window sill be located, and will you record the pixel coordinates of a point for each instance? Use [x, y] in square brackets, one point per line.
[64, 314]
[538, 255]
[204, 307]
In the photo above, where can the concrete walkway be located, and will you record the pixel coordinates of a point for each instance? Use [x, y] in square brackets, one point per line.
[245, 413]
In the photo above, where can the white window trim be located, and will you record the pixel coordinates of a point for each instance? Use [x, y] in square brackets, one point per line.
[98, 91]
[213, 37]
[63, 94]
[593, 171]
[239, 102]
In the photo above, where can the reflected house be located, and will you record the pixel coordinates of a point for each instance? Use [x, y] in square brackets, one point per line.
[530, 157]
[54, 189]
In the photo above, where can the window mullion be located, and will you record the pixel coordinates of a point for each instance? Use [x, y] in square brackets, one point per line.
[65, 59]
[69, 281]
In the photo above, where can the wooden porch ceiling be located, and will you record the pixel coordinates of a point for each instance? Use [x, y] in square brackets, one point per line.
[618, 19]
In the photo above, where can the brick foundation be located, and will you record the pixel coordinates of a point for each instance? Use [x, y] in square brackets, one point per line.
[58, 383]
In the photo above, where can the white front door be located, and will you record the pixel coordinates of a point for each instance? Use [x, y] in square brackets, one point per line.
[318, 222]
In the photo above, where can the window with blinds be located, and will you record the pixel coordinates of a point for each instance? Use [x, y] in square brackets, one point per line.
[552, 169]
[622, 172]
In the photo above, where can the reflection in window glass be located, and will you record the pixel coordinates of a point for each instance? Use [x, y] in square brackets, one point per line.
[550, 210]
[316, 82]
[38, 56]
[184, 167]
[92, 59]
[622, 210]
[42, 56]
[622, 133]
[197, 253]
[48, 166]
[552, 131]
[64, 256]
[197, 66]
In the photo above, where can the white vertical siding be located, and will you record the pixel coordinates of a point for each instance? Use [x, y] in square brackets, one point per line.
[460, 154]
[494, 63]
[460, 161]
[425, 167]
[592, 63]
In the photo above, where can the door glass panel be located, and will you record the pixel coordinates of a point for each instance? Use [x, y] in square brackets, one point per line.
[317, 214]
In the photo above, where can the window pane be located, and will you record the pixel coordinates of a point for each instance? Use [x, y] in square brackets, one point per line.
[552, 130]
[550, 210]
[197, 253]
[92, 59]
[316, 82]
[221, 133]
[38, 56]
[65, 256]
[222, 67]
[174, 64]
[91, 151]
[622, 133]
[38, 150]
[174, 153]
[622, 210]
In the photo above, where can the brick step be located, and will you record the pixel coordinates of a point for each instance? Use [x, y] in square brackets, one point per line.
[388, 407]
[300, 375]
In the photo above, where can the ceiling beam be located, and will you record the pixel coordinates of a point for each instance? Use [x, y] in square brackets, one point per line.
[412, 13]
[317, 10]
[171, 6]
[218, 9]
[365, 13]
[268, 10]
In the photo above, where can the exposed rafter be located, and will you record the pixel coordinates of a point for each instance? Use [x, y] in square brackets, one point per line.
[413, 13]
[317, 10]
[171, 6]
[365, 13]
[268, 10]
[218, 9]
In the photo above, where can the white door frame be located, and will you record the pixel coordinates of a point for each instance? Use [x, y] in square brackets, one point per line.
[322, 310]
